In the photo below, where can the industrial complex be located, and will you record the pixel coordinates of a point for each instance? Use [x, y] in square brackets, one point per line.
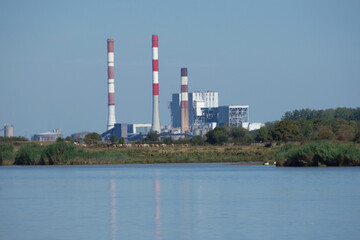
[192, 113]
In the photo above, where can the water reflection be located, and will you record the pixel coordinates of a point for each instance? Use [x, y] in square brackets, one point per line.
[113, 225]
[157, 206]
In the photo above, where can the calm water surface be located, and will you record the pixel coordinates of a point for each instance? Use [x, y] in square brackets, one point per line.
[179, 201]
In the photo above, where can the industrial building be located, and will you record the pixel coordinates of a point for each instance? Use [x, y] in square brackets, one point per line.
[143, 128]
[197, 101]
[233, 116]
[8, 130]
[119, 130]
[47, 136]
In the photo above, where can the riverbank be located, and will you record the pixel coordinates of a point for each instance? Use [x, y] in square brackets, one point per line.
[63, 153]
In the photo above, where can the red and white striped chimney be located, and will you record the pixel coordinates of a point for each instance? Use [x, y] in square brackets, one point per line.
[184, 101]
[155, 65]
[111, 84]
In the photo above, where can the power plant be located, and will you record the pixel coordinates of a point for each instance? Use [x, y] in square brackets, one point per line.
[191, 113]
[111, 84]
[155, 67]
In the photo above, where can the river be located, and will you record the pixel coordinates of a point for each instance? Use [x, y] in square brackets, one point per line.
[179, 201]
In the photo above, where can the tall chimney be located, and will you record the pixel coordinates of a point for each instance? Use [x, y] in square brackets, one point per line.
[155, 65]
[184, 101]
[111, 84]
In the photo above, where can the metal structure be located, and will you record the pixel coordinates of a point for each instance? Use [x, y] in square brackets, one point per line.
[155, 68]
[233, 115]
[111, 84]
[184, 101]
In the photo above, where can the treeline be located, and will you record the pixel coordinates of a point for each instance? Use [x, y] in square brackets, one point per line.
[13, 139]
[348, 114]
[309, 130]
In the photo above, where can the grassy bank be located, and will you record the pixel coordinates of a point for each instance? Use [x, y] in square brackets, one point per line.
[318, 154]
[63, 153]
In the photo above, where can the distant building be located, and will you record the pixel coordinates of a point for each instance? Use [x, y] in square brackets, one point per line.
[119, 130]
[143, 128]
[255, 126]
[47, 136]
[234, 116]
[197, 101]
[8, 131]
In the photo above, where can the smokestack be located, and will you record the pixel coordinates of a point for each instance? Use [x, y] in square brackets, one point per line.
[111, 84]
[155, 65]
[184, 101]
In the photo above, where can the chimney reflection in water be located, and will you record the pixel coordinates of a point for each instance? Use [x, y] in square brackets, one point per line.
[157, 207]
[112, 188]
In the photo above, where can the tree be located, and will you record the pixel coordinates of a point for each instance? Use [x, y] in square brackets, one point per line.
[152, 136]
[286, 130]
[167, 140]
[197, 140]
[324, 133]
[263, 135]
[238, 132]
[240, 135]
[92, 138]
[112, 139]
[121, 140]
[306, 127]
[217, 136]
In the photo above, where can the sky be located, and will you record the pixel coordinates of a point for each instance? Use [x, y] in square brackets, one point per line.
[275, 56]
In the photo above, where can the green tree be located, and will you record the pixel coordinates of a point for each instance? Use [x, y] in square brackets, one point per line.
[286, 130]
[240, 135]
[197, 141]
[60, 139]
[92, 138]
[217, 136]
[152, 136]
[167, 140]
[121, 140]
[324, 133]
[263, 135]
[112, 139]
[306, 127]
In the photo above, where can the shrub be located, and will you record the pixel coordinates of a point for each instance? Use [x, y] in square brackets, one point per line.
[319, 153]
[197, 140]
[29, 155]
[58, 153]
[217, 136]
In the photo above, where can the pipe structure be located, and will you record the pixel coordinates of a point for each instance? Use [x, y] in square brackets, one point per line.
[111, 84]
[184, 101]
[155, 65]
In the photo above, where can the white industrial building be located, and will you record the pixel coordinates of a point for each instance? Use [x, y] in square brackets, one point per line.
[234, 116]
[47, 136]
[137, 128]
[197, 101]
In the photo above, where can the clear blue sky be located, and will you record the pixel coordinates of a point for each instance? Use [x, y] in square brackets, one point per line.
[274, 56]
